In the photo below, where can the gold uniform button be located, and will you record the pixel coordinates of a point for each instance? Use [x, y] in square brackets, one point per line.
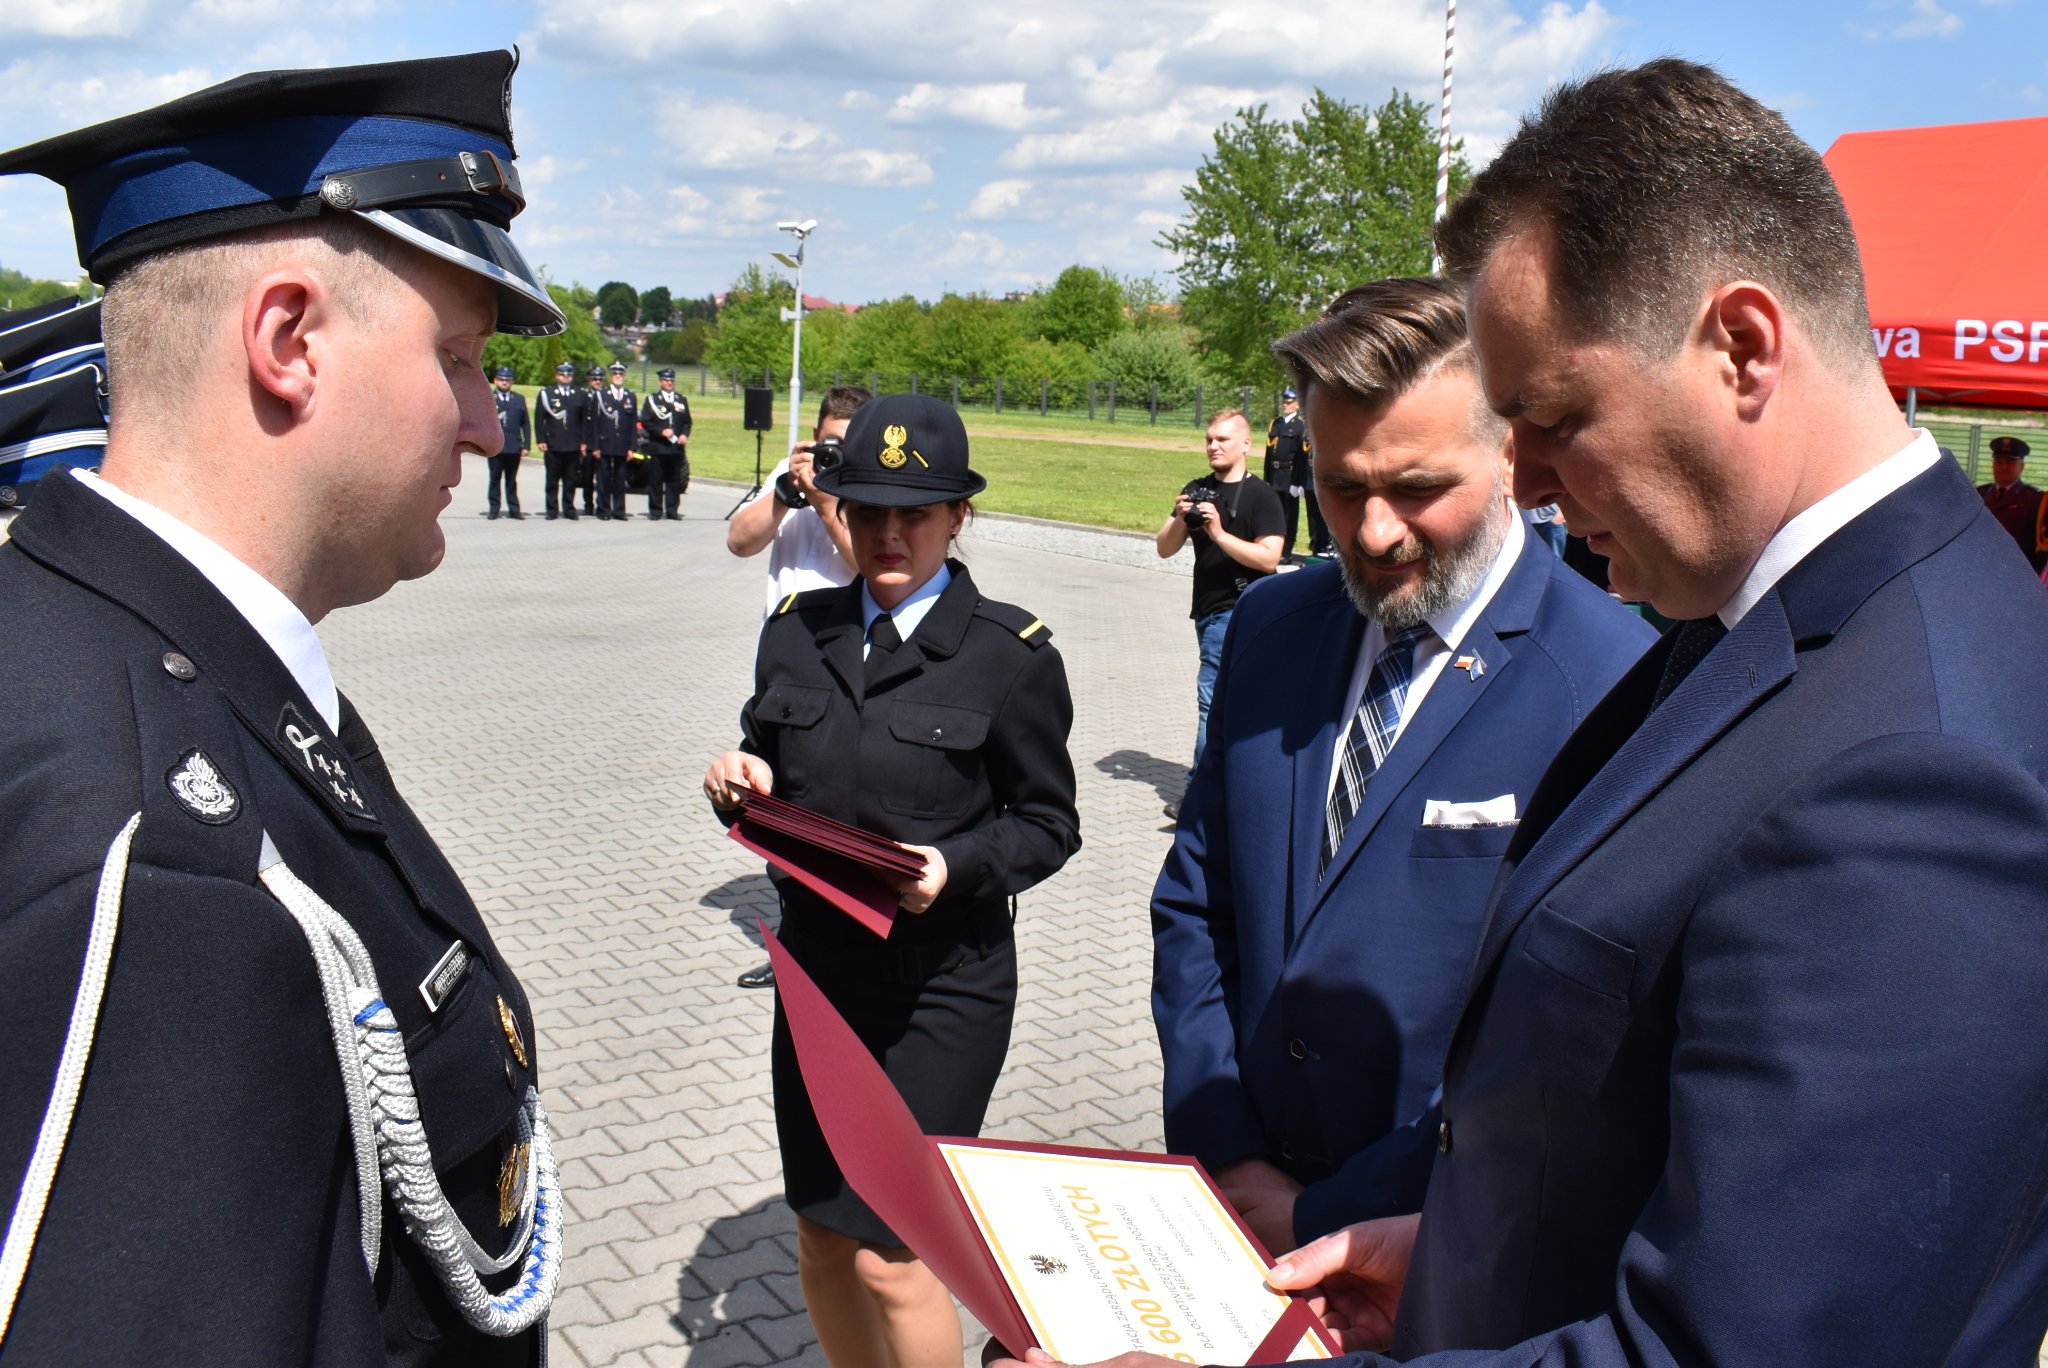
[510, 1025]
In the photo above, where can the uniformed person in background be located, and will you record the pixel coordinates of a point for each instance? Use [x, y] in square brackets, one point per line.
[588, 462]
[53, 392]
[2015, 503]
[216, 900]
[558, 430]
[614, 428]
[516, 434]
[665, 421]
[1287, 465]
[908, 704]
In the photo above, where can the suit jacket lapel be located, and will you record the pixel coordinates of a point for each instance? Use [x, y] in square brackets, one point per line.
[1747, 665]
[841, 638]
[1449, 698]
[1618, 758]
[1454, 692]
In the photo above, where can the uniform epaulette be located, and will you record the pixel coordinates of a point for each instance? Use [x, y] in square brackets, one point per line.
[1031, 630]
[803, 600]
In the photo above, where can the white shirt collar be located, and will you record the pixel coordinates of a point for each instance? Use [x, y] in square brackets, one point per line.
[276, 618]
[1798, 538]
[911, 611]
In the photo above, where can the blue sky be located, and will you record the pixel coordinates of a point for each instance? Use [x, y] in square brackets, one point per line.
[965, 147]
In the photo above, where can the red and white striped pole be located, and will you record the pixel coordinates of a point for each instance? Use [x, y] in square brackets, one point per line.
[1443, 141]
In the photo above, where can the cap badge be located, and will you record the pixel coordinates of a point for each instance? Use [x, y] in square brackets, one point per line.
[205, 792]
[892, 454]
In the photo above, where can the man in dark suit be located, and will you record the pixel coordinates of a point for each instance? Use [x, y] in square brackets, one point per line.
[1751, 1070]
[614, 428]
[2015, 503]
[515, 429]
[558, 428]
[1377, 727]
[1287, 457]
[218, 909]
[665, 425]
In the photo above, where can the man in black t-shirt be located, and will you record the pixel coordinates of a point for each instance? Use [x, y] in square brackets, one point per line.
[1236, 524]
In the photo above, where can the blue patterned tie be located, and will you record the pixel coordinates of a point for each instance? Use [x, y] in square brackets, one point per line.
[1373, 728]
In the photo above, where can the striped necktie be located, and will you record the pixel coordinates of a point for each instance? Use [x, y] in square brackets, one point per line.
[1373, 728]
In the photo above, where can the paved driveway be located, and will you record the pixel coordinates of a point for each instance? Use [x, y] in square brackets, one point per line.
[549, 699]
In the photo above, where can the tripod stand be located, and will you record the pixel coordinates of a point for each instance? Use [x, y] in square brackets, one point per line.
[748, 497]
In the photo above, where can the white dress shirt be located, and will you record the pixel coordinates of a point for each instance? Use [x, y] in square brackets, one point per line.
[276, 618]
[1797, 538]
[1433, 652]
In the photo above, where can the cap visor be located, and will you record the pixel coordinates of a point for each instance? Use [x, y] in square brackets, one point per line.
[524, 307]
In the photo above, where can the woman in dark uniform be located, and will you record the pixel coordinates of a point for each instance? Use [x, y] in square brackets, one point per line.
[907, 704]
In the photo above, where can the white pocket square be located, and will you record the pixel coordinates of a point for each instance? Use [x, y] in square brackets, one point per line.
[1494, 812]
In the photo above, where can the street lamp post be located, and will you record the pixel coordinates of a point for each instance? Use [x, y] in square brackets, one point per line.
[800, 231]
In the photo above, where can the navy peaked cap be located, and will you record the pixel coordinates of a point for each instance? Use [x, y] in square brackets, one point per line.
[421, 149]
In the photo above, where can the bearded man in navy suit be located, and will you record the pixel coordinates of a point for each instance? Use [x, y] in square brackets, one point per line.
[1315, 922]
[1751, 1070]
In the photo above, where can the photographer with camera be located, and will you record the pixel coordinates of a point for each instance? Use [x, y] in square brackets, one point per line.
[1237, 525]
[811, 546]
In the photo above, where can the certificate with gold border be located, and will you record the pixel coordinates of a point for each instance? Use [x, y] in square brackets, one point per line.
[1084, 1253]
[1106, 1253]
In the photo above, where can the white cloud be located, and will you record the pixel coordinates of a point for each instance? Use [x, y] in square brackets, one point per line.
[73, 18]
[999, 199]
[49, 94]
[1929, 20]
[1178, 126]
[725, 135]
[858, 99]
[995, 104]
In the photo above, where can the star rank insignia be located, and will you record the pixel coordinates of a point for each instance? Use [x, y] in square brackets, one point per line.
[323, 765]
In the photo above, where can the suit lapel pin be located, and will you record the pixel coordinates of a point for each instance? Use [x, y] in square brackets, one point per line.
[1472, 665]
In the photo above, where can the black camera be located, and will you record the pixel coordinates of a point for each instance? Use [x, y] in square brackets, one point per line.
[790, 492]
[826, 454]
[1197, 494]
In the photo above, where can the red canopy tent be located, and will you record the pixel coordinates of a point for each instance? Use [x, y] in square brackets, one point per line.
[1953, 225]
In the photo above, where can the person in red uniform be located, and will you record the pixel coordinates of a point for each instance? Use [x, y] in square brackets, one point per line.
[2015, 503]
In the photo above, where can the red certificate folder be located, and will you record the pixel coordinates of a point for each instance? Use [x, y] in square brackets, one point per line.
[905, 1176]
[842, 864]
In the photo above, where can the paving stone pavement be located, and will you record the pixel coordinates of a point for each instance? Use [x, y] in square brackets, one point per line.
[548, 700]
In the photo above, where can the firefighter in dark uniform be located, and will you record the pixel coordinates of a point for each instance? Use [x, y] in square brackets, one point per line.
[1287, 465]
[614, 428]
[908, 704]
[2015, 503]
[587, 462]
[665, 423]
[558, 430]
[218, 909]
[516, 435]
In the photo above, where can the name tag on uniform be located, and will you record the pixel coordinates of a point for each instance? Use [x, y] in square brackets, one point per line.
[436, 988]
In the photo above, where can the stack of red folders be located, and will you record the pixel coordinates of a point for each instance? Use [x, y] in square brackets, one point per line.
[850, 868]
